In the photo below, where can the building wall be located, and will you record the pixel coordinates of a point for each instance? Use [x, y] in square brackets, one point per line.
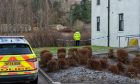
[131, 12]
[101, 11]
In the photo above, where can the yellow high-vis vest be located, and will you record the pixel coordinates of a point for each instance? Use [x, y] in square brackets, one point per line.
[77, 36]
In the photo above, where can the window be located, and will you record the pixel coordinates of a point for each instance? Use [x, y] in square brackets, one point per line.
[14, 49]
[121, 22]
[98, 23]
[98, 2]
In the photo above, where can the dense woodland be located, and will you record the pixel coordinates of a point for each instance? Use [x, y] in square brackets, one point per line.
[16, 15]
[24, 13]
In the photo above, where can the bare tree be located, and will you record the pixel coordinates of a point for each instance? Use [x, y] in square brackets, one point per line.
[16, 14]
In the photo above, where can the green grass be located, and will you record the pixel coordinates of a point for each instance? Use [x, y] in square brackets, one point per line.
[54, 49]
[100, 48]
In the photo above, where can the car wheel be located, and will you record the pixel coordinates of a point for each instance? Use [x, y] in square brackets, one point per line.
[34, 81]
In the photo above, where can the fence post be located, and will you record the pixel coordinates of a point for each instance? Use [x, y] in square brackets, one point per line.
[119, 41]
[128, 41]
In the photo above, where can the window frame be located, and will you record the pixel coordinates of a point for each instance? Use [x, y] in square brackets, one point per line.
[98, 2]
[98, 23]
[121, 22]
[13, 49]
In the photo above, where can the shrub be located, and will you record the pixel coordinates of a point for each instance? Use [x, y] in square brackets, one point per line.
[83, 55]
[60, 50]
[73, 53]
[131, 72]
[89, 49]
[41, 55]
[114, 68]
[61, 55]
[137, 55]
[136, 62]
[122, 56]
[62, 63]
[83, 51]
[103, 63]
[52, 65]
[111, 53]
[89, 63]
[72, 62]
[43, 51]
[121, 67]
[38, 38]
[94, 64]
[47, 56]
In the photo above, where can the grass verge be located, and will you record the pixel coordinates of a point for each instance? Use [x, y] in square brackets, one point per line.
[54, 49]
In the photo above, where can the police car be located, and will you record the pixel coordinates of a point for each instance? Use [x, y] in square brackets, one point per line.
[18, 63]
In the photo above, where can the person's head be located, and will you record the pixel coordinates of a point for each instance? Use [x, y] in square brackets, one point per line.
[77, 32]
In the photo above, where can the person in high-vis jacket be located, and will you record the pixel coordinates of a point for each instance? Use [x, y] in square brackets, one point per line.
[77, 38]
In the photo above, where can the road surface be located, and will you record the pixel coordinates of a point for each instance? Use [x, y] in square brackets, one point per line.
[41, 80]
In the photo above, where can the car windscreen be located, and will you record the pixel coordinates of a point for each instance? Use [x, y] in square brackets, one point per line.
[14, 49]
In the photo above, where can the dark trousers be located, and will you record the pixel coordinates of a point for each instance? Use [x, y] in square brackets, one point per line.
[77, 43]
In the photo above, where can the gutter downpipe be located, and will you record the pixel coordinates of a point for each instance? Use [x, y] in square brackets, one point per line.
[139, 18]
[108, 43]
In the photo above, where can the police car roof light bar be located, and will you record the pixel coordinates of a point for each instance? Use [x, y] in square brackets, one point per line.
[11, 36]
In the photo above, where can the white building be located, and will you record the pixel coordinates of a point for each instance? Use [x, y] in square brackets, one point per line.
[124, 21]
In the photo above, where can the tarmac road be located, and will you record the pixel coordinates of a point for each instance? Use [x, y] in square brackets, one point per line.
[41, 81]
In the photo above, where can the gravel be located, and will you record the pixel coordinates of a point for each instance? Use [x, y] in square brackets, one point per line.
[82, 75]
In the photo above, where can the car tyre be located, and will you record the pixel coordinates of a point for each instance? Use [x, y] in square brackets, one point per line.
[34, 81]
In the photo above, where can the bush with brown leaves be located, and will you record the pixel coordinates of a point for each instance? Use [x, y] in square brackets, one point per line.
[89, 49]
[38, 38]
[61, 50]
[73, 53]
[70, 52]
[121, 67]
[41, 54]
[62, 63]
[94, 64]
[114, 68]
[43, 51]
[83, 55]
[136, 62]
[71, 62]
[138, 55]
[52, 65]
[89, 63]
[122, 56]
[61, 55]
[132, 72]
[111, 53]
[47, 56]
[104, 63]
